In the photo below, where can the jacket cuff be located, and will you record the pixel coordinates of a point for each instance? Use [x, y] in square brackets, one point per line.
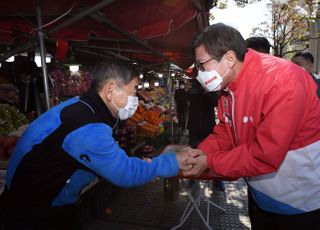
[167, 165]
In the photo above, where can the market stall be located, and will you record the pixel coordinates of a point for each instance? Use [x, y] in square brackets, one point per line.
[150, 34]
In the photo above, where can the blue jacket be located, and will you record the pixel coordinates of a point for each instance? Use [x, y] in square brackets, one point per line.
[67, 148]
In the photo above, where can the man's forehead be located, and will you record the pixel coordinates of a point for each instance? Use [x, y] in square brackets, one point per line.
[300, 59]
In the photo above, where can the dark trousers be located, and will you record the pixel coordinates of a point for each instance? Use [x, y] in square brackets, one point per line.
[182, 117]
[62, 222]
[62, 218]
[263, 220]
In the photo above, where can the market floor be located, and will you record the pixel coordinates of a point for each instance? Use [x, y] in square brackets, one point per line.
[147, 208]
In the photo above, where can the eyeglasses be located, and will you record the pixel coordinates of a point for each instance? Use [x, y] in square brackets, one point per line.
[199, 65]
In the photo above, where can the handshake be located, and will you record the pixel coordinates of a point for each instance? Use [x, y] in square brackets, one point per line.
[192, 162]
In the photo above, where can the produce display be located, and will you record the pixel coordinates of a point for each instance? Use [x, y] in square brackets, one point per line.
[144, 95]
[9, 94]
[146, 129]
[7, 145]
[157, 96]
[148, 118]
[10, 119]
[152, 115]
[126, 136]
[68, 84]
[146, 151]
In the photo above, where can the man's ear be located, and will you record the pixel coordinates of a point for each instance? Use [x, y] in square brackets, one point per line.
[310, 67]
[231, 58]
[107, 90]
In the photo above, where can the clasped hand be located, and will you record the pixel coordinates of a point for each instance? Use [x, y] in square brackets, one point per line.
[192, 162]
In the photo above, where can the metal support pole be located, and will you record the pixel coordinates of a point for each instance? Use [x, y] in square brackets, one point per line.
[170, 94]
[81, 15]
[37, 100]
[172, 183]
[43, 57]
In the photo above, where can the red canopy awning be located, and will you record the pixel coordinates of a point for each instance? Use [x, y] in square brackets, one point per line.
[164, 28]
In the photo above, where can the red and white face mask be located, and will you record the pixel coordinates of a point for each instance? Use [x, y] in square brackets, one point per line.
[210, 80]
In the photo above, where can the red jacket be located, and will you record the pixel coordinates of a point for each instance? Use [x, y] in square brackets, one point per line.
[269, 109]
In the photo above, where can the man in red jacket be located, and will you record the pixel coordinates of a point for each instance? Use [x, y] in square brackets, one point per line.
[269, 129]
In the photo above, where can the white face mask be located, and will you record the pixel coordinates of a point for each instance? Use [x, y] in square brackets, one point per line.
[211, 80]
[129, 109]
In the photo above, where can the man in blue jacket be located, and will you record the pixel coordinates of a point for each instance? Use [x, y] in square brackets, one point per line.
[70, 145]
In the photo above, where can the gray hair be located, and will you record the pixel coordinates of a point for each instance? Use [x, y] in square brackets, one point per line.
[117, 70]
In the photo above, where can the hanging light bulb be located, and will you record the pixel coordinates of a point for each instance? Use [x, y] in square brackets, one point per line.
[74, 68]
[173, 74]
[160, 75]
[37, 58]
[146, 85]
[10, 59]
[140, 86]
[156, 83]
[73, 65]
[141, 76]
